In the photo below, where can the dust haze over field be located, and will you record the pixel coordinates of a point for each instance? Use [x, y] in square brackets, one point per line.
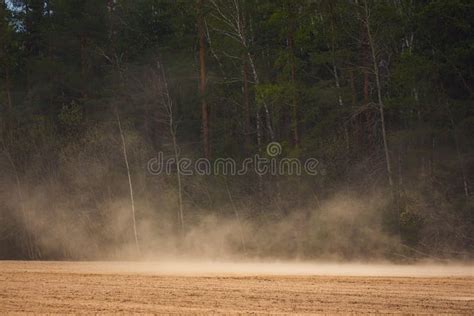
[192, 267]
[345, 227]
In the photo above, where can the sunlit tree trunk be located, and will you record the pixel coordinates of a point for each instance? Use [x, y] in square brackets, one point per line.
[268, 119]
[130, 186]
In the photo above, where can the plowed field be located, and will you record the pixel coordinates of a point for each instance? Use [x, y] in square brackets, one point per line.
[96, 287]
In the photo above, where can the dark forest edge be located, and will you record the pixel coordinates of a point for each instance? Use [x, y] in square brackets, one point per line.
[379, 92]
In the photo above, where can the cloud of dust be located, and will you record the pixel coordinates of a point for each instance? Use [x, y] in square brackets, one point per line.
[84, 214]
[342, 228]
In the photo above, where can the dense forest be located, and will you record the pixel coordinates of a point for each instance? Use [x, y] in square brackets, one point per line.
[379, 92]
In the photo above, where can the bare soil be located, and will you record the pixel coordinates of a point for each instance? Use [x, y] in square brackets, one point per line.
[101, 287]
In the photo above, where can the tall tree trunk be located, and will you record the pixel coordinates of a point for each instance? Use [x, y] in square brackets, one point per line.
[268, 119]
[168, 105]
[203, 80]
[335, 71]
[259, 127]
[366, 63]
[178, 173]
[241, 27]
[130, 186]
[116, 62]
[291, 52]
[246, 100]
[379, 95]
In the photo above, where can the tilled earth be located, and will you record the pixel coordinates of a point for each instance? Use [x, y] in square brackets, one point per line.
[71, 287]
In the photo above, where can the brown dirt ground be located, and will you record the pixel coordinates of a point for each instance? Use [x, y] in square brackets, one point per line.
[69, 287]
